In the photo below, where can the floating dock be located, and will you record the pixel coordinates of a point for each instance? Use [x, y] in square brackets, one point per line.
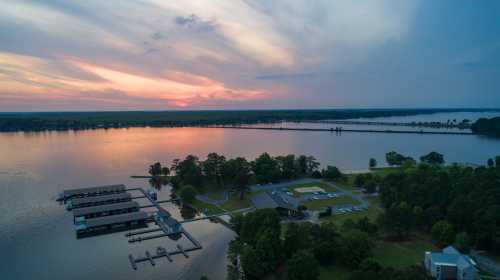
[98, 200]
[163, 253]
[114, 223]
[106, 210]
[91, 191]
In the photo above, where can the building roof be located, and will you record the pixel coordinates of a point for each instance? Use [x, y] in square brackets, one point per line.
[267, 200]
[104, 208]
[451, 250]
[100, 198]
[452, 257]
[114, 219]
[263, 200]
[96, 189]
[444, 259]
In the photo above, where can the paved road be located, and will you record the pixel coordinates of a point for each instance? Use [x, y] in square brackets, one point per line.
[486, 263]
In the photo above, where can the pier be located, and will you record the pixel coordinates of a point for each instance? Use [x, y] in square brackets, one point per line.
[90, 191]
[105, 209]
[340, 130]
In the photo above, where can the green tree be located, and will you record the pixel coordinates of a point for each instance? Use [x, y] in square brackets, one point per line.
[432, 158]
[296, 238]
[394, 158]
[399, 219]
[165, 171]
[268, 248]
[241, 176]
[189, 171]
[187, 193]
[356, 246]
[257, 222]
[288, 166]
[250, 262]
[155, 169]
[372, 163]
[331, 173]
[213, 168]
[443, 233]
[325, 241]
[490, 162]
[303, 266]
[266, 169]
[462, 242]
[497, 161]
[359, 180]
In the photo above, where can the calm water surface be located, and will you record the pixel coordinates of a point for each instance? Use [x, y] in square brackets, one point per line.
[36, 236]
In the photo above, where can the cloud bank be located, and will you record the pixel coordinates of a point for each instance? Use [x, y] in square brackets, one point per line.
[111, 55]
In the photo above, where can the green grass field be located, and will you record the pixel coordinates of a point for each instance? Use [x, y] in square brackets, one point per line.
[207, 208]
[234, 202]
[402, 254]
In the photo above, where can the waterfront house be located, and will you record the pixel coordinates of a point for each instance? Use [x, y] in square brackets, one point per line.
[450, 264]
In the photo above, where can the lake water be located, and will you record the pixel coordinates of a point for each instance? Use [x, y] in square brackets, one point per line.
[36, 234]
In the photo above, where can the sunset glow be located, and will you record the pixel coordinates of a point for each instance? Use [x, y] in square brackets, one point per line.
[226, 54]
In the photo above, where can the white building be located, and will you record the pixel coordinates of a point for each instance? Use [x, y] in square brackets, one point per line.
[450, 264]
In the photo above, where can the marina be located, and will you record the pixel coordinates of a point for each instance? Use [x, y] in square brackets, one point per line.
[106, 209]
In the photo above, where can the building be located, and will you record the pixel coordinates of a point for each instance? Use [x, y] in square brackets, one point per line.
[266, 200]
[450, 264]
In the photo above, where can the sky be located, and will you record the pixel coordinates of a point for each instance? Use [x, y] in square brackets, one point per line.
[60, 55]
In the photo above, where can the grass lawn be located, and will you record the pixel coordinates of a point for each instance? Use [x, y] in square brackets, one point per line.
[207, 208]
[334, 273]
[322, 203]
[402, 254]
[322, 185]
[234, 202]
[216, 195]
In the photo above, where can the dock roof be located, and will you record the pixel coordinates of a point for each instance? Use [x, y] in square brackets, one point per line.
[116, 219]
[103, 208]
[100, 198]
[96, 189]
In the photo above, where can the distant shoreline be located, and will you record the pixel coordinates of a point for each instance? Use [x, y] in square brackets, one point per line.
[65, 121]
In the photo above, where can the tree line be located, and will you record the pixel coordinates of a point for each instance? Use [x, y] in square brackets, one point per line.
[43, 121]
[455, 204]
[487, 126]
[262, 249]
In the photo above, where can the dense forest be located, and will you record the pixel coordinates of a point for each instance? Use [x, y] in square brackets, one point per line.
[94, 120]
[264, 247]
[487, 126]
[457, 205]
